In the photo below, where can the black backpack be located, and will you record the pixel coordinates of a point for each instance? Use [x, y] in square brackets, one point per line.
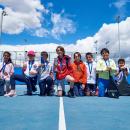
[112, 90]
[124, 87]
[2, 82]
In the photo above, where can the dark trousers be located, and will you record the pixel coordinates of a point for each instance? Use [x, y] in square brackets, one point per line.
[33, 81]
[90, 88]
[46, 86]
[77, 89]
[2, 83]
[21, 78]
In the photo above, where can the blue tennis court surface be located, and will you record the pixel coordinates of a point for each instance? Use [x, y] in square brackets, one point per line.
[29, 113]
[81, 113]
[96, 113]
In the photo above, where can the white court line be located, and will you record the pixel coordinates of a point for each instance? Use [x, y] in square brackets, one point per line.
[62, 124]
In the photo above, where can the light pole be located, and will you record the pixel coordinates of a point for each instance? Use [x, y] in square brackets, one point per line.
[96, 49]
[25, 51]
[118, 21]
[2, 15]
[107, 43]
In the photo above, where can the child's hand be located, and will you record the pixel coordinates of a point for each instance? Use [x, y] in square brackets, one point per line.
[109, 69]
[24, 67]
[126, 71]
[40, 65]
[83, 86]
[35, 66]
[32, 72]
[5, 73]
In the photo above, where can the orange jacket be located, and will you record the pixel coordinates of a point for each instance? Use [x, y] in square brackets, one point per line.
[79, 72]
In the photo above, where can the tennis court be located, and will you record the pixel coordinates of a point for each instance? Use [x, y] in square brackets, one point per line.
[54, 113]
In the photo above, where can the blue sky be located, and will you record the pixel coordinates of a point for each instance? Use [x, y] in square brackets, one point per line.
[42, 25]
[84, 18]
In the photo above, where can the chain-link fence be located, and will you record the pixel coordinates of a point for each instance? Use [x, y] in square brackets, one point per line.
[19, 57]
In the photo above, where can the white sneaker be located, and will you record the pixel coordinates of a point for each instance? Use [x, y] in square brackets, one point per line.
[6, 95]
[12, 93]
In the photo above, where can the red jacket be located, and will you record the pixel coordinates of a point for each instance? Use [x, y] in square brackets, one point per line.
[63, 67]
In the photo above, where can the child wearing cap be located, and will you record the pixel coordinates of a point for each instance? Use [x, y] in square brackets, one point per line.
[29, 75]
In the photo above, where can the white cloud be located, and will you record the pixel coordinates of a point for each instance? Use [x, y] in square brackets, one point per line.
[41, 32]
[50, 5]
[121, 7]
[17, 21]
[61, 25]
[28, 15]
[120, 3]
[108, 32]
[22, 15]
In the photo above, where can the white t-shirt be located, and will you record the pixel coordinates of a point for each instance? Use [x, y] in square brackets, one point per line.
[119, 77]
[91, 72]
[8, 68]
[31, 67]
[45, 71]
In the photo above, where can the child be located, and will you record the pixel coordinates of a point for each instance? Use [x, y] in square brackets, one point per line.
[90, 88]
[63, 70]
[79, 74]
[29, 76]
[121, 71]
[45, 76]
[105, 67]
[6, 70]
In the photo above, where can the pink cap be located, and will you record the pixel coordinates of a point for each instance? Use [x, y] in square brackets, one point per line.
[31, 52]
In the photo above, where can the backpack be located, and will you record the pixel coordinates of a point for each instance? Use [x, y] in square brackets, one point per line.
[124, 87]
[2, 83]
[128, 78]
[67, 61]
[112, 90]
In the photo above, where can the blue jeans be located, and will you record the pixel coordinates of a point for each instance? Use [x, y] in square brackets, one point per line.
[77, 89]
[46, 86]
[103, 84]
[21, 78]
[33, 81]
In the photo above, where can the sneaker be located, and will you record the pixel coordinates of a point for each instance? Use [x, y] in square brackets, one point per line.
[28, 94]
[34, 89]
[97, 91]
[6, 95]
[63, 93]
[87, 93]
[71, 94]
[93, 93]
[12, 93]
